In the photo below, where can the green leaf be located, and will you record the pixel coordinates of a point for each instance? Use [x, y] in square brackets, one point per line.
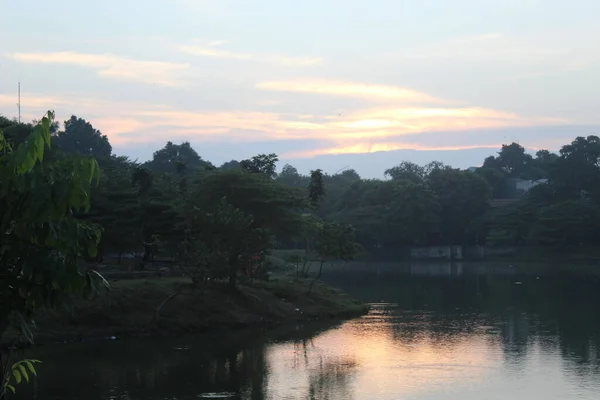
[24, 372]
[11, 388]
[17, 376]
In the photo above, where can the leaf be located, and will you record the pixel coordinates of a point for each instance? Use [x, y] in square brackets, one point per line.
[17, 376]
[11, 388]
[99, 277]
[24, 372]
[29, 364]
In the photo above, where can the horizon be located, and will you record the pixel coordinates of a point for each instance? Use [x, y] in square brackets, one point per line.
[364, 86]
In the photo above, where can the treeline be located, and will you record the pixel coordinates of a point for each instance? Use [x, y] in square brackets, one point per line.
[154, 207]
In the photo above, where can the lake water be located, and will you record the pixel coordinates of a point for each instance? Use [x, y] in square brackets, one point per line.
[434, 332]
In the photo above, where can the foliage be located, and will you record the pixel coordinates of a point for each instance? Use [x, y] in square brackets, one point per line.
[334, 242]
[271, 205]
[265, 164]
[568, 223]
[41, 238]
[82, 138]
[220, 242]
[17, 373]
[173, 156]
[316, 188]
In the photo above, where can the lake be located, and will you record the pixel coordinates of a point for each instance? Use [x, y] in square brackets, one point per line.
[435, 331]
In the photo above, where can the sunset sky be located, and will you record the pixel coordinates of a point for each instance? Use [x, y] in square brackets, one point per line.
[310, 79]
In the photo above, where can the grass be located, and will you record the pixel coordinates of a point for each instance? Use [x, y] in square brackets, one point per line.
[130, 308]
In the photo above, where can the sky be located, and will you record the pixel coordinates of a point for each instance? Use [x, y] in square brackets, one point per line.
[325, 84]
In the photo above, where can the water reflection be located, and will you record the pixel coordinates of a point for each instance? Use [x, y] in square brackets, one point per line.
[443, 334]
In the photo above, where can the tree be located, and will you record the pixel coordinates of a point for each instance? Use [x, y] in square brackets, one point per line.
[114, 207]
[263, 163]
[316, 188]
[568, 223]
[272, 206]
[41, 238]
[511, 159]
[414, 213]
[289, 176]
[495, 178]
[157, 217]
[407, 170]
[463, 197]
[220, 242]
[80, 137]
[576, 173]
[334, 242]
[233, 164]
[168, 159]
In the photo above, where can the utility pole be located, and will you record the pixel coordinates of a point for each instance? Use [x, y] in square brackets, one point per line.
[19, 103]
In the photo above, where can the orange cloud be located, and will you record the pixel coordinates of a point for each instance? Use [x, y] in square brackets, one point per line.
[362, 148]
[108, 65]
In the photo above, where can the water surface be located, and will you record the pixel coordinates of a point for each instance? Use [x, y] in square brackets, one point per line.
[460, 333]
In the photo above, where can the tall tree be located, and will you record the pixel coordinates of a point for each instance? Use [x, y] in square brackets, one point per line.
[576, 173]
[408, 171]
[463, 196]
[80, 137]
[265, 164]
[167, 159]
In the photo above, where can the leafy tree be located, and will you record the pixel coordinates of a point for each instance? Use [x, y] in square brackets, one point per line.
[115, 207]
[289, 176]
[233, 164]
[316, 188]
[576, 173]
[41, 239]
[170, 158]
[220, 242]
[158, 219]
[80, 137]
[463, 196]
[414, 213]
[407, 170]
[263, 163]
[568, 223]
[334, 242]
[511, 159]
[271, 205]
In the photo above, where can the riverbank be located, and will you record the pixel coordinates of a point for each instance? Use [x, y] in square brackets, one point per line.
[169, 306]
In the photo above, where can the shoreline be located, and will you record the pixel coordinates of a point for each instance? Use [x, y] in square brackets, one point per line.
[167, 306]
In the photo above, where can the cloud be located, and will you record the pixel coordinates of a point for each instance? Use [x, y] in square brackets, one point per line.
[349, 89]
[212, 49]
[386, 122]
[533, 55]
[36, 101]
[382, 128]
[362, 148]
[108, 65]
